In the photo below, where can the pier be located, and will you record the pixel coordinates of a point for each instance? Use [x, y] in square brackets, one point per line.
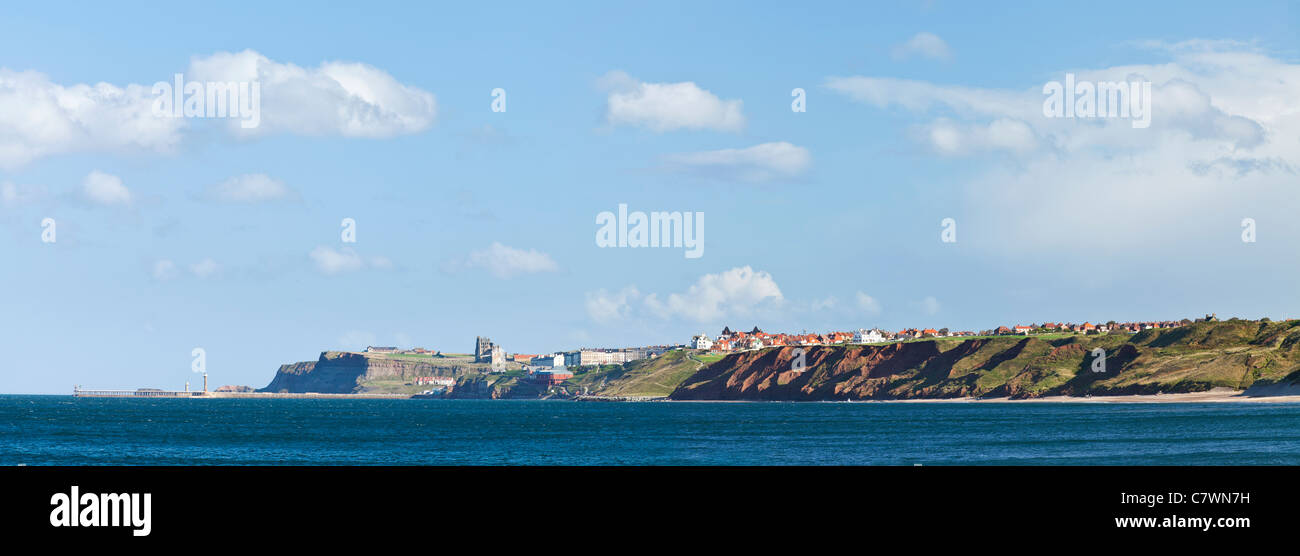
[78, 392]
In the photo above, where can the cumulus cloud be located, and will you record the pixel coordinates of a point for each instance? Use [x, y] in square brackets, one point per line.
[766, 162]
[42, 118]
[337, 261]
[105, 189]
[249, 188]
[664, 107]
[868, 304]
[1222, 143]
[737, 292]
[335, 98]
[506, 262]
[923, 45]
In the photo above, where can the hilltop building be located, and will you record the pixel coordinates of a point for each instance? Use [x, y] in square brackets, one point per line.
[872, 336]
[701, 341]
[487, 352]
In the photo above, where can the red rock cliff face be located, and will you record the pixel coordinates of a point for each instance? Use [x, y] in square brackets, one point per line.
[828, 373]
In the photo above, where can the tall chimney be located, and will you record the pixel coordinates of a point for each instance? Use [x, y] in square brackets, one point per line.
[205, 383]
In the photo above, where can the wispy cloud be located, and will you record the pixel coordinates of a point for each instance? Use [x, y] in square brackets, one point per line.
[249, 188]
[329, 260]
[923, 45]
[763, 163]
[868, 304]
[506, 262]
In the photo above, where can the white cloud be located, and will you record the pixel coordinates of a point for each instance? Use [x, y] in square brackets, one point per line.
[164, 270]
[336, 98]
[924, 45]
[506, 262]
[930, 305]
[668, 106]
[105, 189]
[1222, 144]
[761, 163]
[12, 194]
[336, 261]
[205, 268]
[868, 304]
[830, 302]
[947, 137]
[739, 291]
[250, 188]
[605, 306]
[41, 118]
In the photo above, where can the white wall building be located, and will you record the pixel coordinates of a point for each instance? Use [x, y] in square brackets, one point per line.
[701, 341]
[865, 336]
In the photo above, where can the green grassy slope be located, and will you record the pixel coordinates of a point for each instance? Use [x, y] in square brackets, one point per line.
[657, 376]
[1233, 354]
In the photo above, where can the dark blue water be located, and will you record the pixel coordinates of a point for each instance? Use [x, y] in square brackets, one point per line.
[61, 430]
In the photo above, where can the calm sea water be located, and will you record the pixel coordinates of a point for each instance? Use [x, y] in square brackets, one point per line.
[61, 430]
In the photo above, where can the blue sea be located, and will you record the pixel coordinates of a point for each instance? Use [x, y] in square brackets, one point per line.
[62, 430]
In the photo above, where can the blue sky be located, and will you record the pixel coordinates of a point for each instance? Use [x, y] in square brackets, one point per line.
[176, 234]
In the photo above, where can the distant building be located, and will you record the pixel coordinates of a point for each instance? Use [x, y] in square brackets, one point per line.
[487, 352]
[438, 380]
[701, 341]
[381, 349]
[551, 377]
[586, 357]
[553, 360]
[865, 336]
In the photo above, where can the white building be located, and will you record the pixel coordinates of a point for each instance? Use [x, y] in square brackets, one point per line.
[865, 336]
[701, 341]
[552, 360]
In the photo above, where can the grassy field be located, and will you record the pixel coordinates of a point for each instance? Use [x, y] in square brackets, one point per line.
[657, 376]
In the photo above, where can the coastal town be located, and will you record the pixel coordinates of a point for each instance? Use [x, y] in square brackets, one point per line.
[552, 369]
[657, 371]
